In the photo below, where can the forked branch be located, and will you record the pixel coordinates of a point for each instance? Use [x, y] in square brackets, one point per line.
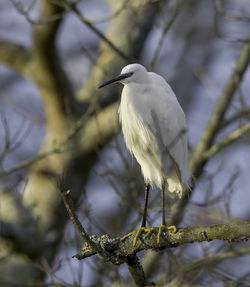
[118, 252]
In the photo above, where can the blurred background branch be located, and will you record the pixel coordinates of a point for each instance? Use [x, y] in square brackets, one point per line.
[198, 159]
[57, 126]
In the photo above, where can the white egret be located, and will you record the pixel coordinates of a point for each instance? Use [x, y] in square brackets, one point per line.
[155, 133]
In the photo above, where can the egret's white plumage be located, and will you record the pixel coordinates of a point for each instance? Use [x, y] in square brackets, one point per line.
[154, 128]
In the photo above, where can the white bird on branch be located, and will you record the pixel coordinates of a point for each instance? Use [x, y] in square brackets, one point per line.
[155, 132]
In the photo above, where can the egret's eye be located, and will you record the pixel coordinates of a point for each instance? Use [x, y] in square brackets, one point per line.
[131, 73]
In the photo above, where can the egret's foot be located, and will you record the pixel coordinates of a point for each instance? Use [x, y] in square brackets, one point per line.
[161, 229]
[151, 230]
[137, 233]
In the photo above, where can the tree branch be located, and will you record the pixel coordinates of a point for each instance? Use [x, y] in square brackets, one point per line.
[135, 26]
[221, 12]
[197, 162]
[18, 226]
[136, 271]
[221, 108]
[73, 8]
[118, 252]
[215, 258]
[99, 129]
[245, 114]
[94, 132]
[27, 11]
[98, 246]
[229, 140]
[94, 245]
[15, 56]
[165, 30]
[231, 232]
[29, 162]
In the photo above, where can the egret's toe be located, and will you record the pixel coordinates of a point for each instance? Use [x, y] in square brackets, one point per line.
[164, 227]
[137, 233]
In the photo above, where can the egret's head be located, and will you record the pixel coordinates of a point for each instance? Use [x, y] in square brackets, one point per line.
[133, 73]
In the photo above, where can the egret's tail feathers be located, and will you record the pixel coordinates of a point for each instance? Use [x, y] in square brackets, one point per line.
[175, 187]
[178, 182]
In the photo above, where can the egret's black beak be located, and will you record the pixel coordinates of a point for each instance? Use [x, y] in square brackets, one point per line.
[116, 79]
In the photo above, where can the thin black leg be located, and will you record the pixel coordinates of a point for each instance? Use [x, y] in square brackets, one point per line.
[163, 205]
[147, 188]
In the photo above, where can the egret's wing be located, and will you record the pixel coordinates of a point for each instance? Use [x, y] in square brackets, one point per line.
[166, 120]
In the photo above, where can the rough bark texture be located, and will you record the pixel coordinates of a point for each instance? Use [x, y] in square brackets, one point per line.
[123, 250]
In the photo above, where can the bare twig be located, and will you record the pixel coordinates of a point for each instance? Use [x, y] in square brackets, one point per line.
[26, 13]
[29, 162]
[245, 114]
[163, 35]
[221, 12]
[229, 140]
[73, 217]
[197, 162]
[20, 135]
[7, 142]
[78, 13]
[209, 260]
[98, 246]
[104, 245]
[220, 110]
[90, 135]
[112, 16]
[15, 56]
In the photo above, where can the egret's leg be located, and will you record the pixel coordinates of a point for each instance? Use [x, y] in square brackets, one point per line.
[143, 224]
[163, 204]
[163, 226]
[144, 218]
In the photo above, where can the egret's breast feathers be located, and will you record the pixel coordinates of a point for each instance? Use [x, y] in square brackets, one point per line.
[140, 142]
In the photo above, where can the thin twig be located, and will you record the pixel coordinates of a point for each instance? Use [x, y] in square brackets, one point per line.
[94, 245]
[30, 161]
[197, 162]
[163, 35]
[206, 262]
[91, 129]
[20, 135]
[221, 12]
[112, 16]
[134, 265]
[244, 114]
[74, 218]
[26, 14]
[78, 13]
[7, 142]
[229, 140]
[214, 258]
